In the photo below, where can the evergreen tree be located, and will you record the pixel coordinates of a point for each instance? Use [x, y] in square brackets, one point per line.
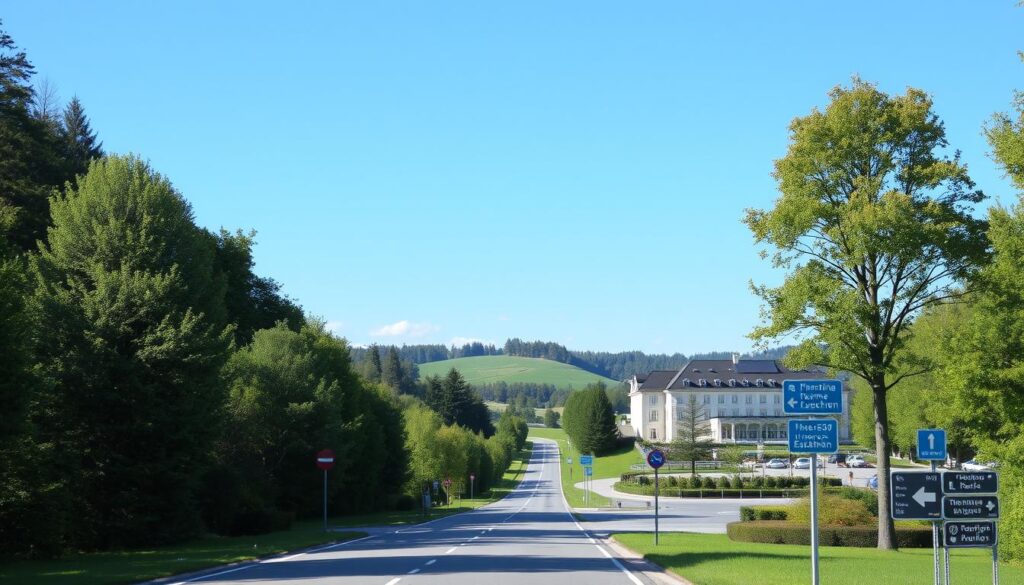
[131, 339]
[391, 372]
[693, 434]
[78, 139]
[589, 421]
[30, 163]
[372, 365]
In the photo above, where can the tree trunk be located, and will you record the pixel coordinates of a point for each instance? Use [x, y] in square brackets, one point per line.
[886, 529]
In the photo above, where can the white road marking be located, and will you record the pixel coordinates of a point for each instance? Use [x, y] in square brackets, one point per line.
[393, 581]
[413, 572]
[475, 537]
[449, 551]
[431, 561]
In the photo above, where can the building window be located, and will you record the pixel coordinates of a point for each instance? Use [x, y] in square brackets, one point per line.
[746, 382]
[721, 398]
[778, 412]
[778, 399]
[718, 383]
[653, 433]
[707, 399]
[759, 383]
[750, 412]
[735, 412]
[654, 416]
[702, 382]
[764, 412]
[653, 399]
[735, 399]
[732, 382]
[750, 399]
[764, 399]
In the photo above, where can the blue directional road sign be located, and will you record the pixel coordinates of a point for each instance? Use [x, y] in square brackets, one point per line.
[816, 435]
[586, 460]
[588, 471]
[812, 396]
[655, 459]
[931, 444]
[916, 495]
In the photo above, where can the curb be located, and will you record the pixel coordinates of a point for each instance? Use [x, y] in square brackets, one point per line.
[643, 565]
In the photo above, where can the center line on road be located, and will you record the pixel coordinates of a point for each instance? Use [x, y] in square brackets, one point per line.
[431, 561]
[413, 572]
[393, 581]
[449, 551]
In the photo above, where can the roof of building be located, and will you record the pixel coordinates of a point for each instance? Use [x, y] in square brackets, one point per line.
[712, 374]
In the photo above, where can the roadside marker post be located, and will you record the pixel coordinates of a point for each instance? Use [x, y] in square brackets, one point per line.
[325, 461]
[813, 437]
[656, 459]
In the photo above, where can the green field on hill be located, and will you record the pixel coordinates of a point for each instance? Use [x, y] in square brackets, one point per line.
[499, 368]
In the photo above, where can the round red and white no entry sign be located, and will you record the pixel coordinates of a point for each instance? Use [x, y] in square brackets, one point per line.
[325, 459]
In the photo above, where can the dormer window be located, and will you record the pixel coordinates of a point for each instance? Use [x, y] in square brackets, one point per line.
[702, 382]
[686, 382]
[745, 382]
[771, 383]
[718, 383]
[759, 383]
[732, 382]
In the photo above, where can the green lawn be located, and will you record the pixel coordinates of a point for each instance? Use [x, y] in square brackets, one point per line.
[137, 565]
[713, 559]
[611, 465]
[499, 368]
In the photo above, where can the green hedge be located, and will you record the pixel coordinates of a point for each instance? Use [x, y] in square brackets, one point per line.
[782, 532]
[752, 513]
[726, 482]
[747, 492]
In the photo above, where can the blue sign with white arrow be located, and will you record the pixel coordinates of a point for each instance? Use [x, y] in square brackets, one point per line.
[812, 396]
[931, 444]
[586, 459]
[816, 435]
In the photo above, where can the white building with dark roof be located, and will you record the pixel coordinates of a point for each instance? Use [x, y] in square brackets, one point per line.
[742, 400]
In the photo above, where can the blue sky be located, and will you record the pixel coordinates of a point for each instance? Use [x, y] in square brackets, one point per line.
[573, 171]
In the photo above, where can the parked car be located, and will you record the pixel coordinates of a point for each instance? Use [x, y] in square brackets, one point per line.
[777, 464]
[856, 461]
[837, 459]
[802, 463]
[973, 465]
[873, 482]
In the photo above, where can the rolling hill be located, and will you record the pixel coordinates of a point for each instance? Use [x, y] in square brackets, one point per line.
[499, 368]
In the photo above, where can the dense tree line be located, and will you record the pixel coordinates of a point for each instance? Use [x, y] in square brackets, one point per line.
[454, 400]
[589, 421]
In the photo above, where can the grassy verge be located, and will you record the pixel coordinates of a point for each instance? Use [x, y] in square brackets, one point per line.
[107, 568]
[713, 559]
[138, 565]
[612, 465]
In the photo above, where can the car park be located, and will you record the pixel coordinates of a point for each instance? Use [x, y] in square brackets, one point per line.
[973, 465]
[777, 464]
[802, 463]
[856, 461]
[837, 459]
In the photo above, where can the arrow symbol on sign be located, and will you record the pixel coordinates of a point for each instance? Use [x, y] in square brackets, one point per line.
[792, 403]
[990, 506]
[922, 497]
[931, 441]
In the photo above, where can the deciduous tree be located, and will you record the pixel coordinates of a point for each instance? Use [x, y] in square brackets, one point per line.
[873, 225]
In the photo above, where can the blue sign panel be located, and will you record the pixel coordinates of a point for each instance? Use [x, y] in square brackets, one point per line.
[656, 459]
[586, 459]
[588, 471]
[812, 396]
[818, 435]
[931, 444]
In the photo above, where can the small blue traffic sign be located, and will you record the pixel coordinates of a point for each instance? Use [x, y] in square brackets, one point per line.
[931, 444]
[818, 435]
[812, 396]
[655, 459]
[586, 459]
[588, 471]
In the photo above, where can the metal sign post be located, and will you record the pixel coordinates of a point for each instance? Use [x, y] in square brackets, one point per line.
[656, 459]
[931, 446]
[472, 480]
[325, 461]
[813, 437]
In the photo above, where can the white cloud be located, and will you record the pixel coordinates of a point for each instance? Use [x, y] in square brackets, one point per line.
[404, 329]
[335, 327]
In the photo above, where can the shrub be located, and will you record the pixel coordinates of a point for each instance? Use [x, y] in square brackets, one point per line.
[723, 483]
[770, 482]
[643, 480]
[782, 532]
[752, 513]
[738, 482]
[757, 482]
[832, 511]
[673, 481]
[868, 497]
[405, 502]
[260, 522]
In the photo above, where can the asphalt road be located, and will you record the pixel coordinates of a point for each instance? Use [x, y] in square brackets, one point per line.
[528, 537]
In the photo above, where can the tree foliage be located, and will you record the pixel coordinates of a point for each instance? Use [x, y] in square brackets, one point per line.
[873, 225]
[454, 399]
[589, 421]
[692, 440]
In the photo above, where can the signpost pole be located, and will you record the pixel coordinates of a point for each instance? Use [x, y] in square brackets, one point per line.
[656, 488]
[945, 553]
[995, 564]
[935, 543]
[325, 461]
[325, 500]
[814, 520]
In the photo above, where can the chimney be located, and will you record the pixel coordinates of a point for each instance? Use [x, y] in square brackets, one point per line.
[735, 358]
